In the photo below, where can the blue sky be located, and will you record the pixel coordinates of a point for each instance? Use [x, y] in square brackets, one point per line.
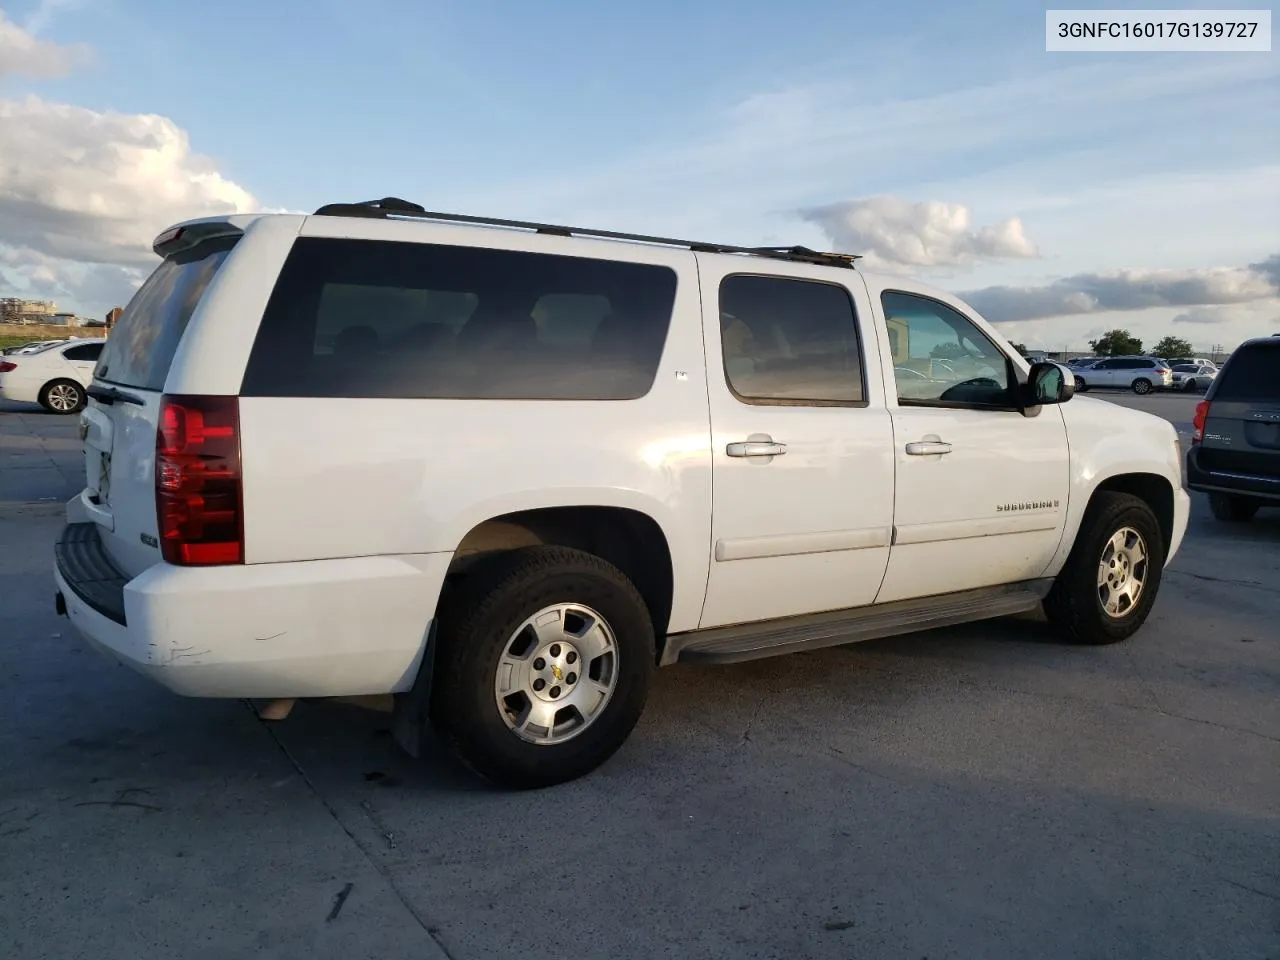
[915, 131]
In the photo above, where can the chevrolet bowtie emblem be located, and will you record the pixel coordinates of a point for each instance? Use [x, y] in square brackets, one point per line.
[557, 672]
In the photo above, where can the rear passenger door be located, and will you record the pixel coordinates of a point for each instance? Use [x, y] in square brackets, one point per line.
[83, 358]
[801, 443]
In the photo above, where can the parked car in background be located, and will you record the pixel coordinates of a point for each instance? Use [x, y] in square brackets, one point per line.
[1235, 444]
[56, 376]
[1190, 376]
[1139, 374]
[35, 346]
[1196, 361]
[1081, 362]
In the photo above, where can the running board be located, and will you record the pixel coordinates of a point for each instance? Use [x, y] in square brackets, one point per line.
[753, 641]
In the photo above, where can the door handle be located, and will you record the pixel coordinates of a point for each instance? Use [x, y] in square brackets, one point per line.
[756, 448]
[926, 448]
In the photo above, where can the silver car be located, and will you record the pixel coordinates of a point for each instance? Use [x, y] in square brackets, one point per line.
[1139, 374]
[1191, 376]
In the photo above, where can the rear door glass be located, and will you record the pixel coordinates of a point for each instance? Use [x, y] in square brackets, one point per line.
[1252, 374]
[141, 346]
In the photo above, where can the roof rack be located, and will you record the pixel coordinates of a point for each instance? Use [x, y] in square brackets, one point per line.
[394, 208]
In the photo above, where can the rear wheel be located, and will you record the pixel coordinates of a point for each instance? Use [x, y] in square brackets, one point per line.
[1109, 583]
[1141, 386]
[63, 397]
[1232, 509]
[543, 667]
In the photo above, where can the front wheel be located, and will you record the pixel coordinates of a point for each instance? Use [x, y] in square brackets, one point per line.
[1232, 509]
[543, 666]
[1081, 386]
[63, 397]
[1191, 385]
[1141, 386]
[1109, 583]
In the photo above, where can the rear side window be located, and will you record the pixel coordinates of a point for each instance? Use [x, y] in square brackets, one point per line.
[87, 351]
[1252, 373]
[141, 346]
[364, 318]
[789, 341]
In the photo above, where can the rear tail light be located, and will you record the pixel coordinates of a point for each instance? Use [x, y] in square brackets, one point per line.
[7, 365]
[199, 501]
[1197, 422]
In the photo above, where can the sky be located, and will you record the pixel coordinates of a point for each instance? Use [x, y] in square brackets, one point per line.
[1061, 194]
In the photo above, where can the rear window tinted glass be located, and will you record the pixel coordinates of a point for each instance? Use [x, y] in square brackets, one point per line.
[141, 346]
[364, 318]
[1252, 373]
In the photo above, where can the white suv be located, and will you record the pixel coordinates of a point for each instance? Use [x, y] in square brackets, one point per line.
[1139, 374]
[503, 470]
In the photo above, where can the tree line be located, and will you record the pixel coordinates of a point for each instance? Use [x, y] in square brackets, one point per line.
[1121, 343]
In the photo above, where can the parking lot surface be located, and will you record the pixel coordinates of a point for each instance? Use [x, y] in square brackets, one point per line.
[970, 793]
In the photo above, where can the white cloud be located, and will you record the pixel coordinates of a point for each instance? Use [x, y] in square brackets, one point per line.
[22, 54]
[44, 13]
[892, 230]
[83, 193]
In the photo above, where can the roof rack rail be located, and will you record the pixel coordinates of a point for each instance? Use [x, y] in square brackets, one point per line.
[395, 208]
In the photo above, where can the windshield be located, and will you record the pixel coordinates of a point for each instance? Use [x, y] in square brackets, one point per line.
[141, 347]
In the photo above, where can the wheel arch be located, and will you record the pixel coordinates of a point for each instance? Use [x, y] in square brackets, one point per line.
[1153, 489]
[629, 539]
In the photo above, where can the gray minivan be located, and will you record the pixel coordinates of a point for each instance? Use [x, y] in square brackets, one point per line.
[1235, 446]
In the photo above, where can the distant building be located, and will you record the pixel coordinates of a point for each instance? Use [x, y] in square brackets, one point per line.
[19, 310]
[113, 315]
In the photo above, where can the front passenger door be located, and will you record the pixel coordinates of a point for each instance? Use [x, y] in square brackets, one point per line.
[981, 489]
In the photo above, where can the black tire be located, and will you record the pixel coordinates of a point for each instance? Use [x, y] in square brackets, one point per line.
[1073, 605]
[1141, 386]
[1081, 386]
[477, 620]
[53, 392]
[1232, 509]
[1191, 385]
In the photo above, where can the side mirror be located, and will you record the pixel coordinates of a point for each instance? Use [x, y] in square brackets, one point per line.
[1049, 382]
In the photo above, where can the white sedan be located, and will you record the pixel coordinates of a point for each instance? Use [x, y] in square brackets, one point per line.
[55, 377]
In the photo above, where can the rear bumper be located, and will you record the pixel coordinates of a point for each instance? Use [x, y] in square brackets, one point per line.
[323, 628]
[1238, 484]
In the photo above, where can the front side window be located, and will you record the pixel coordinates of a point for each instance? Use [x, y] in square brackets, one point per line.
[940, 355]
[790, 341]
[365, 318]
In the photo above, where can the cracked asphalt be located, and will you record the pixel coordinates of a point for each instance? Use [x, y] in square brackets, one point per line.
[979, 792]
